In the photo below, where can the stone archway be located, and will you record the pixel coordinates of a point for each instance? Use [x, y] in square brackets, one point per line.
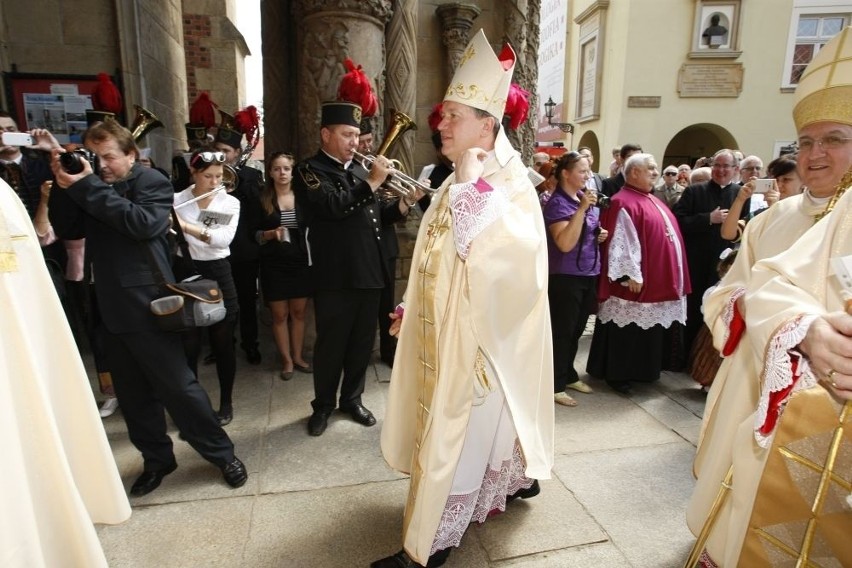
[696, 141]
[590, 139]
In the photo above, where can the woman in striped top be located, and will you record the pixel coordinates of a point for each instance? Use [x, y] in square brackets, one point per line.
[285, 278]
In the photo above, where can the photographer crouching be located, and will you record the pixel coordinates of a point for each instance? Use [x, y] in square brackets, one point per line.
[123, 212]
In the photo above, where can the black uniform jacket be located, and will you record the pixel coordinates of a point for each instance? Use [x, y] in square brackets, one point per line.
[120, 221]
[343, 222]
[245, 247]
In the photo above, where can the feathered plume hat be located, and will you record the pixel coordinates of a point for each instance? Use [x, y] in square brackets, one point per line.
[356, 99]
[246, 122]
[106, 100]
[202, 115]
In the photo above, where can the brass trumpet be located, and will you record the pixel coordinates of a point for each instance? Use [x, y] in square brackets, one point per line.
[397, 183]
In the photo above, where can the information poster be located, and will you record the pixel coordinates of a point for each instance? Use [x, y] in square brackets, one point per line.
[55, 102]
[62, 115]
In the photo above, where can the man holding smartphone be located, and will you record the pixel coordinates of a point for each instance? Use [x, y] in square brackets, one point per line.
[23, 172]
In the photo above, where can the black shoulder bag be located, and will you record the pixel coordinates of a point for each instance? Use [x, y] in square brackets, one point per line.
[193, 302]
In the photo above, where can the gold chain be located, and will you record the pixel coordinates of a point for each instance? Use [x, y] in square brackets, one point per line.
[839, 190]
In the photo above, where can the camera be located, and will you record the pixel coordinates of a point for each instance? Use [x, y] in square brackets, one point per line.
[604, 201]
[72, 162]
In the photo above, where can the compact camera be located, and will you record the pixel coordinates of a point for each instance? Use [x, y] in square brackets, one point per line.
[604, 201]
[72, 162]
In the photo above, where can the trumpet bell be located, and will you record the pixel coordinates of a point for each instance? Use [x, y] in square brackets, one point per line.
[229, 178]
[400, 124]
[144, 122]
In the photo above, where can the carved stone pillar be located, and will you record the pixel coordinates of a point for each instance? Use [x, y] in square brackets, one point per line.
[401, 92]
[522, 33]
[456, 21]
[329, 31]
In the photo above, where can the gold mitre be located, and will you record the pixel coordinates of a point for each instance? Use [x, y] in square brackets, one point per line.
[482, 78]
[824, 93]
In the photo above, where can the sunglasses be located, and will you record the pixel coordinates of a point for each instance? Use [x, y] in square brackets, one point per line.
[208, 158]
[670, 174]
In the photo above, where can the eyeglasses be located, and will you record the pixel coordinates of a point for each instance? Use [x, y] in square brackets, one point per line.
[208, 158]
[826, 143]
[724, 166]
[752, 168]
[670, 174]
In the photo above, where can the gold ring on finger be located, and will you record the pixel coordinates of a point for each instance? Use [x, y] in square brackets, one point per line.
[829, 376]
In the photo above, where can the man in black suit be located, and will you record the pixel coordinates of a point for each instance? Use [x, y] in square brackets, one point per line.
[612, 185]
[344, 227]
[595, 181]
[245, 250]
[700, 211]
[124, 216]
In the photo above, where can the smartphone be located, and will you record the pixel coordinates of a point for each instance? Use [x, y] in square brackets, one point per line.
[17, 139]
[763, 185]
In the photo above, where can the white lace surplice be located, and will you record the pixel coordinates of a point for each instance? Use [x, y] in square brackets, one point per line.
[473, 210]
[490, 468]
[625, 259]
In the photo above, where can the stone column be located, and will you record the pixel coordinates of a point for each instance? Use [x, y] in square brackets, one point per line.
[401, 92]
[456, 21]
[278, 32]
[522, 33]
[329, 31]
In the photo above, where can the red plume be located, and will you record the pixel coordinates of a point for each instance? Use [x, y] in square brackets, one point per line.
[247, 121]
[517, 105]
[203, 111]
[105, 96]
[435, 117]
[355, 88]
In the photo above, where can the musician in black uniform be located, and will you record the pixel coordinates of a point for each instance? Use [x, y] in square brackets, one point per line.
[245, 251]
[344, 225]
[391, 213]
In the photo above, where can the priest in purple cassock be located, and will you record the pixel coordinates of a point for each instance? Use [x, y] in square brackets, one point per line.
[643, 284]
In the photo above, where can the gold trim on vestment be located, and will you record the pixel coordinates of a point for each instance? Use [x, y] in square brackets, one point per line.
[800, 514]
[428, 271]
[8, 257]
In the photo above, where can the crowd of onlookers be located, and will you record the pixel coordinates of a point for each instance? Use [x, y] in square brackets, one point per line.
[595, 242]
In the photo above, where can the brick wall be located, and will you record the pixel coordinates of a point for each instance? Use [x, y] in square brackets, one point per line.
[196, 30]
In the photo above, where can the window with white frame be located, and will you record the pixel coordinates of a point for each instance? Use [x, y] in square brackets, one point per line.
[813, 23]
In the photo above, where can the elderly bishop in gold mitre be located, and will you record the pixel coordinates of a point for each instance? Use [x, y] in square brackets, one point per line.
[470, 409]
[787, 501]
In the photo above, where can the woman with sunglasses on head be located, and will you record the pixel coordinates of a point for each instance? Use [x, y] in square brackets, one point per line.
[209, 225]
[284, 272]
[573, 239]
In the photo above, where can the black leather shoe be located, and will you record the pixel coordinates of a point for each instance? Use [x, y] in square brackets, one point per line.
[360, 414]
[253, 356]
[235, 473]
[621, 388]
[318, 422]
[527, 493]
[150, 480]
[399, 560]
[225, 415]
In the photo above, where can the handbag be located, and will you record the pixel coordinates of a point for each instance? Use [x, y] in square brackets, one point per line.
[193, 302]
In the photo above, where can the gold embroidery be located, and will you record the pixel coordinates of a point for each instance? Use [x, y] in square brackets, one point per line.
[310, 178]
[468, 53]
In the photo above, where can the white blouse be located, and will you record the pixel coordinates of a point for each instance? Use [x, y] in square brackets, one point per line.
[220, 235]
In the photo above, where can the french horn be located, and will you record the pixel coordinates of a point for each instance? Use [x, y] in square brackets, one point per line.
[144, 122]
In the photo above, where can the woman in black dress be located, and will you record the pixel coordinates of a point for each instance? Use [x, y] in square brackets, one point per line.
[284, 273]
